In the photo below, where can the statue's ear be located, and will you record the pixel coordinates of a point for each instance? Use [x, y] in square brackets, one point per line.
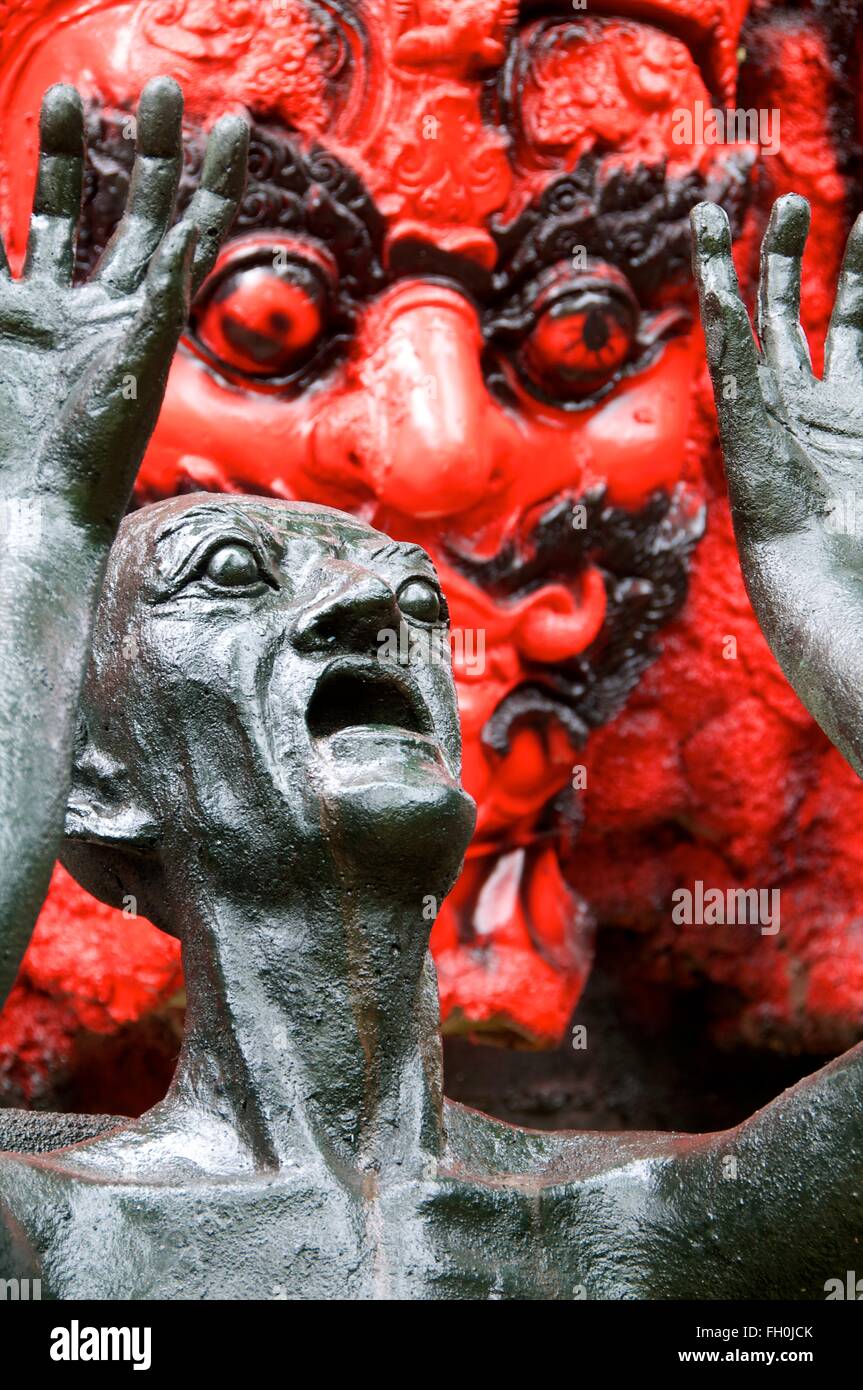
[103, 807]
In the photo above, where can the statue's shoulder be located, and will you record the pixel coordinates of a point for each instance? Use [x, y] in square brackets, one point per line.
[22, 1194]
[41, 1132]
[488, 1148]
[30, 1141]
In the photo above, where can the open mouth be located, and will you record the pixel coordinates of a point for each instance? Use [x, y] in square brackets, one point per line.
[366, 698]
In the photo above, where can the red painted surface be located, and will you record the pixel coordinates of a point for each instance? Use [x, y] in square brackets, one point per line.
[712, 770]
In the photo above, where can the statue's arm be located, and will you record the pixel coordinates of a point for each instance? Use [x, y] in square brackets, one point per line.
[82, 375]
[793, 449]
[783, 1191]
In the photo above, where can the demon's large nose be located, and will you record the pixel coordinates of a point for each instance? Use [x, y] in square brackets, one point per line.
[419, 427]
[348, 614]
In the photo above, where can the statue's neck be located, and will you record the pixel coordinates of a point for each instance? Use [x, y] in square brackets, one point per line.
[313, 1031]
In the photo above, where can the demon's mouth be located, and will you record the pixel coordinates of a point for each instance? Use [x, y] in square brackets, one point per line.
[644, 557]
[362, 697]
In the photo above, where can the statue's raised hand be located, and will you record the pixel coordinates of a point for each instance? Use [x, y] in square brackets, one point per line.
[82, 374]
[793, 448]
[83, 369]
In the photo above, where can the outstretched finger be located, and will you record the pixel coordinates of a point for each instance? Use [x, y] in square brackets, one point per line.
[131, 385]
[731, 353]
[57, 200]
[756, 482]
[843, 351]
[782, 337]
[149, 343]
[223, 179]
[153, 188]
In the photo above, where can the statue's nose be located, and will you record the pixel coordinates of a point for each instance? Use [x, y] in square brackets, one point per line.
[349, 614]
[418, 428]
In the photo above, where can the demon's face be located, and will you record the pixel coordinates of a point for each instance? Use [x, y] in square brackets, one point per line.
[456, 302]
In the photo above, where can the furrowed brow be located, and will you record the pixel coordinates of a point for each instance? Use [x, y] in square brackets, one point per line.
[403, 549]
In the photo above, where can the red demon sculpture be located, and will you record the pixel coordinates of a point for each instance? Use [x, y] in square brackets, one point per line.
[457, 301]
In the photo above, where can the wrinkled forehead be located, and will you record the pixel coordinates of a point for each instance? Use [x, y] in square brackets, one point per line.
[158, 542]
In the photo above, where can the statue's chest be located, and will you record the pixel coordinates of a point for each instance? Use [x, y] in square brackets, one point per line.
[289, 1239]
[239, 1240]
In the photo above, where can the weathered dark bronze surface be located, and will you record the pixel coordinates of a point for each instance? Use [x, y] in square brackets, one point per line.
[82, 377]
[259, 779]
[793, 448]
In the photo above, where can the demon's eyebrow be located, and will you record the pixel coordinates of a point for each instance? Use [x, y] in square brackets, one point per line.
[291, 188]
[636, 219]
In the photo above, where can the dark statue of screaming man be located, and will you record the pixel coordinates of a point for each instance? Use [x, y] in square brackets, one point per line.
[232, 751]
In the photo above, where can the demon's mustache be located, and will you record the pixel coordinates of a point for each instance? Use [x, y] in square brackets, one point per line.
[644, 557]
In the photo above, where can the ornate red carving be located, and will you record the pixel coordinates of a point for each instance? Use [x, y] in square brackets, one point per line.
[604, 84]
[448, 177]
[456, 36]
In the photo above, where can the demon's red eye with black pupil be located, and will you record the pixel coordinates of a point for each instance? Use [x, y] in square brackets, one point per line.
[262, 320]
[579, 344]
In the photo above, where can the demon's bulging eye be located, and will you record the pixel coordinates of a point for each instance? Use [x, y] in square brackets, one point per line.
[420, 599]
[570, 334]
[263, 312]
[579, 343]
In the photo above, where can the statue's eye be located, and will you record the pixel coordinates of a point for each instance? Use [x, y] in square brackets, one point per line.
[420, 599]
[579, 343]
[261, 317]
[233, 566]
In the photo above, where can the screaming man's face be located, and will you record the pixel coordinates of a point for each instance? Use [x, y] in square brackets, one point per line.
[270, 687]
